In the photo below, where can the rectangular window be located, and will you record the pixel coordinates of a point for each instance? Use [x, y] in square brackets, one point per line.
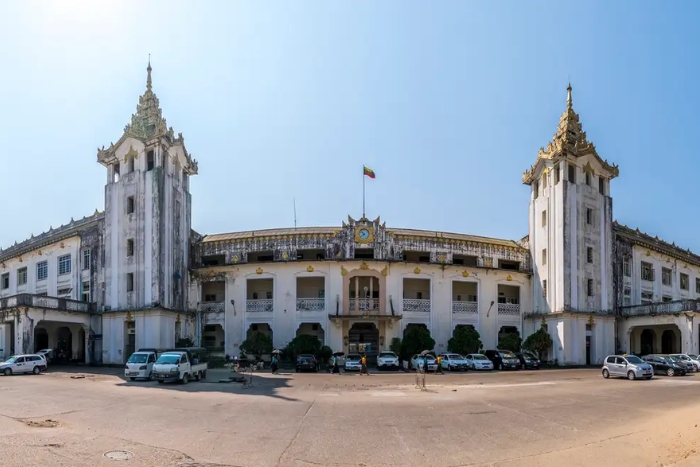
[544, 288]
[5, 281]
[589, 254]
[85, 294]
[129, 282]
[557, 174]
[129, 204]
[544, 181]
[697, 286]
[42, 271]
[130, 247]
[627, 296]
[666, 299]
[63, 265]
[666, 277]
[131, 165]
[588, 179]
[589, 216]
[589, 287]
[86, 259]
[22, 276]
[647, 298]
[544, 256]
[544, 218]
[626, 266]
[150, 161]
[572, 173]
[685, 282]
[601, 185]
[535, 190]
[647, 272]
[64, 293]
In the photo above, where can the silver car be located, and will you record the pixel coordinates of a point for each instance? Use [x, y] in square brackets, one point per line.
[627, 366]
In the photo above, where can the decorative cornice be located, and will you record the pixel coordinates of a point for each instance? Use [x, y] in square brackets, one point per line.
[656, 244]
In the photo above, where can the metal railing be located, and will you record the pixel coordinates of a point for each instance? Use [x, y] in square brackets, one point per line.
[465, 307]
[49, 303]
[416, 305]
[509, 309]
[364, 304]
[259, 306]
[663, 308]
[311, 304]
[213, 307]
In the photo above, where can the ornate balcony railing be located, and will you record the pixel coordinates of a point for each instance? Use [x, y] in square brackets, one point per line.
[211, 307]
[311, 304]
[259, 306]
[512, 309]
[471, 308]
[416, 305]
[663, 308]
[364, 304]
[49, 303]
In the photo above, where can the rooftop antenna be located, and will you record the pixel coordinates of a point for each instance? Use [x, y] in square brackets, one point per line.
[295, 213]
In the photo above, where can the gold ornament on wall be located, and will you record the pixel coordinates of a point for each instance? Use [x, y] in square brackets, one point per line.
[62, 245]
[364, 235]
[591, 321]
[509, 278]
[128, 318]
[40, 253]
[235, 258]
[648, 253]
[285, 255]
[441, 258]
[259, 271]
[20, 259]
[416, 271]
[465, 273]
[310, 269]
[364, 265]
[343, 271]
[385, 271]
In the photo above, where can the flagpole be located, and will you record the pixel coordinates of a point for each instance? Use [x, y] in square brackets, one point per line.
[363, 191]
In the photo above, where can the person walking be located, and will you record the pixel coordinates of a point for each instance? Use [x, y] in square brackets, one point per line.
[363, 365]
[273, 364]
[439, 365]
[336, 368]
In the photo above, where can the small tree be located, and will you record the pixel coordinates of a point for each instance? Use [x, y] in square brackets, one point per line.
[256, 344]
[324, 354]
[464, 340]
[416, 340]
[395, 346]
[303, 344]
[184, 342]
[539, 342]
[510, 341]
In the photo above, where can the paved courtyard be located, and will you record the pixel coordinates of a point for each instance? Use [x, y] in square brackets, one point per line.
[535, 418]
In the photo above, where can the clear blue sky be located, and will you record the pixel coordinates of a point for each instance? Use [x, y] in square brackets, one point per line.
[448, 102]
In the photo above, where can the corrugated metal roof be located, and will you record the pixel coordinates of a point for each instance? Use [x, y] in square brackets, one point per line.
[330, 230]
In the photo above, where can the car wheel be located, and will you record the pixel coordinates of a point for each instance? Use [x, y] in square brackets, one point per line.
[36, 370]
[150, 376]
[606, 374]
[132, 379]
[630, 375]
[185, 378]
[160, 381]
[670, 372]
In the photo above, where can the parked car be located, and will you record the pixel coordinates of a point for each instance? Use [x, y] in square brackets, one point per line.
[477, 361]
[140, 365]
[690, 364]
[528, 360]
[306, 362]
[664, 365]
[629, 366]
[387, 360]
[30, 363]
[48, 354]
[417, 362]
[454, 362]
[503, 359]
[696, 360]
[353, 362]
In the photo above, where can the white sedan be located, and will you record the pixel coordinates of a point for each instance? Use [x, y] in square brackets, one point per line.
[453, 362]
[477, 361]
[417, 362]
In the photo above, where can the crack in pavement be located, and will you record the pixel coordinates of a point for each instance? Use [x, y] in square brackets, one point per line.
[301, 425]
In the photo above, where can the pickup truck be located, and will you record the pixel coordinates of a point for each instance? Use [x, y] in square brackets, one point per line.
[140, 365]
[177, 366]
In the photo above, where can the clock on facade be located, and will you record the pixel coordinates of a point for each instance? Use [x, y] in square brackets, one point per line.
[363, 235]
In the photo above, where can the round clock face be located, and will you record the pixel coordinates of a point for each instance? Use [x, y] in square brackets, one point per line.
[364, 234]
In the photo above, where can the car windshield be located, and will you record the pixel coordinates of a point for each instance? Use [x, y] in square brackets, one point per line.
[352, 358]
[387, 355]
[529, 355]
[693, 357]
[11, 360]
[454, 356]
[633, 359]
[673, 359]
[138, 358]
[479, 357]
[507, 355]
[169, 359]
[306, 358]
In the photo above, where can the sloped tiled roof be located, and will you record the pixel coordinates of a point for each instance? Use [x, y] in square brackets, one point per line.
[639, 237]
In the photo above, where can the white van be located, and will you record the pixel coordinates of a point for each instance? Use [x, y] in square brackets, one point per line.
[140, 365]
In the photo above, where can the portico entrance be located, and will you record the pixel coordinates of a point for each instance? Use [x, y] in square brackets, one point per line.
[364, 338]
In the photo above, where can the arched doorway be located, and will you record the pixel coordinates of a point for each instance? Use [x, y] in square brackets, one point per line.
[647, 342]
[81, 345]
[41, 339]
[64, 344]
[364, 338]
[668, 341]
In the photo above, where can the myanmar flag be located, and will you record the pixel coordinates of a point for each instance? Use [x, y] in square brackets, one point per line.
[367, 171]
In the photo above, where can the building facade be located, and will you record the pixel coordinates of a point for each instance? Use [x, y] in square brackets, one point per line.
[137, 275]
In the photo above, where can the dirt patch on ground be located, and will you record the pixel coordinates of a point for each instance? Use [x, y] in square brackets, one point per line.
[48, 423]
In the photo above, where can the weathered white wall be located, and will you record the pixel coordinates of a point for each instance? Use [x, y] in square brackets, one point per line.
[636, 285]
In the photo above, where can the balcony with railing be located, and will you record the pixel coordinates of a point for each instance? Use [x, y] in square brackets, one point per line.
[48, 303]
[465, 308]
[416, 296]
[213, 297]
[508, 301]
[662, 308]
[363, 305]
[259, 305]
[311, 294]
[465, 298]
[211, 307]
[508, 309]
[259, 298]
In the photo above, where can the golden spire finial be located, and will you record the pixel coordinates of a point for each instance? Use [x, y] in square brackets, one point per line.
[569, 104]
[148, 78]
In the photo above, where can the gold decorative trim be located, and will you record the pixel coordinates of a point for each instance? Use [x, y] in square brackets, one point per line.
[465, 273]
[343, 271]
[509, 278]
[370, 234]
[648, 253]
[259, 271]
[416, 271]
[310, 269]
[364, 266]
[128, 318]
[591, 320]
[20, 259]
[285, 255]
[441, 258]
[235, 258]
[385, 271]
